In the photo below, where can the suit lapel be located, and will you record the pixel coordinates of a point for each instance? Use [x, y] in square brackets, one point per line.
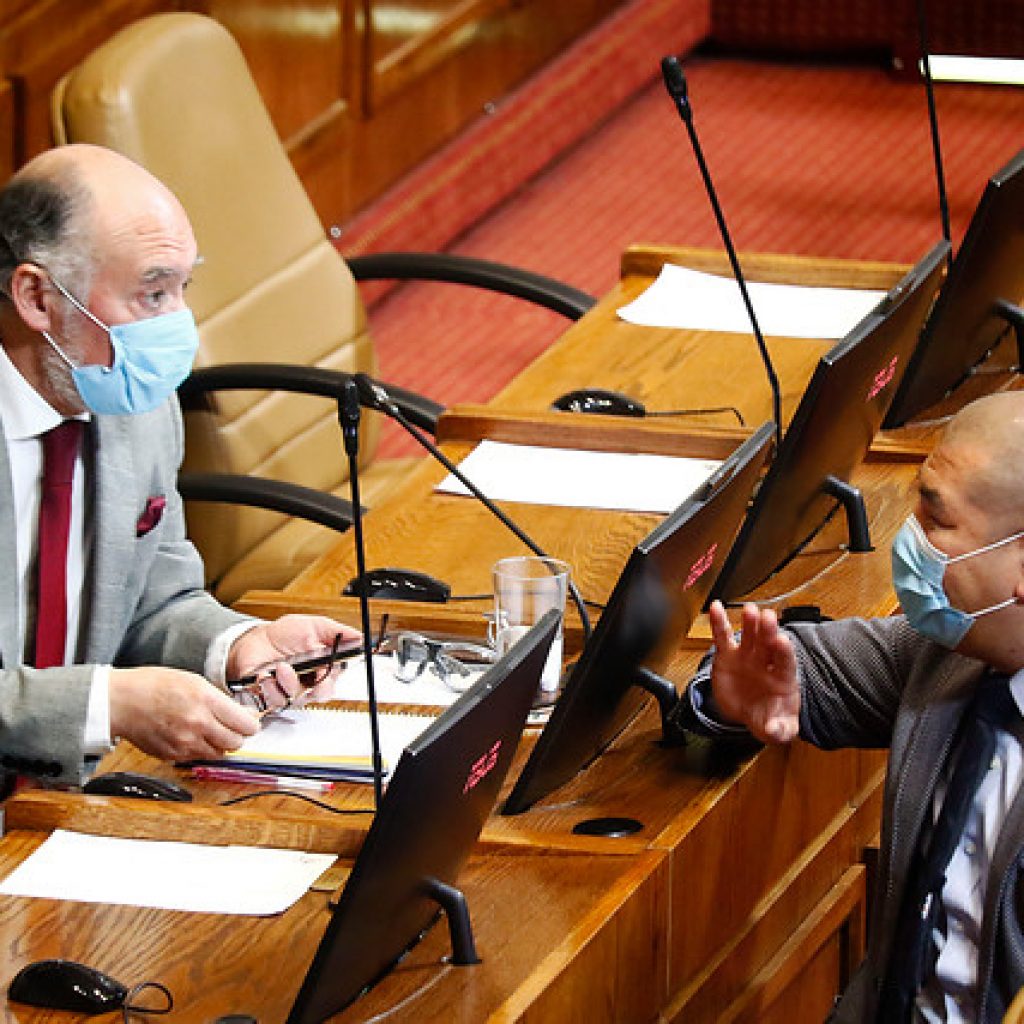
[921, 764]
[113, 527]
[10, 655]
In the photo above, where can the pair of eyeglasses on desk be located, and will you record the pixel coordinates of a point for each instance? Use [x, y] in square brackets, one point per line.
[454, 662]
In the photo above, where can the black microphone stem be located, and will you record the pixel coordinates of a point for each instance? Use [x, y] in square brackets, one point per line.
[349, 414]
[933, 123]
[386, 406]
[676, 85]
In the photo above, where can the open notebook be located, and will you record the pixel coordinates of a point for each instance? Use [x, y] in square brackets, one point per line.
[321, 743]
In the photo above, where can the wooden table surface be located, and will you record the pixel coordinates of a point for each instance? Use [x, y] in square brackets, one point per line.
[742, 897]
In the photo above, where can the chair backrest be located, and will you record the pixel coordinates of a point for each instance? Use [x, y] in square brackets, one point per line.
[173, 92]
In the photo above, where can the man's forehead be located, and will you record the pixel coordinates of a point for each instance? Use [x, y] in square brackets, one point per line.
[945, 472]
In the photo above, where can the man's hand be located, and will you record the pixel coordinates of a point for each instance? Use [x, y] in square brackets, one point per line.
[267, 644]
[175, 715]
[754, 681]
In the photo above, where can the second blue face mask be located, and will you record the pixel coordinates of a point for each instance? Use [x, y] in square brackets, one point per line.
[151, 358]
[918, 568]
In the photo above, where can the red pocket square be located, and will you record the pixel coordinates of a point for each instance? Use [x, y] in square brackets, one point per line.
[152, 515]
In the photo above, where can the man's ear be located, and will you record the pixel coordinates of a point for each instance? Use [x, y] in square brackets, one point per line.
[32, 296]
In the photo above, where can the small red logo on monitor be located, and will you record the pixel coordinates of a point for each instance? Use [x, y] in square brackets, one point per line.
[700, 567]
[481, 768]
[882, 378]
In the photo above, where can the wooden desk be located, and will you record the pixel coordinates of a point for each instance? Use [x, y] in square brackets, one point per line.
[758, 853]
[672, 369]
[595, 927]
[741, 899]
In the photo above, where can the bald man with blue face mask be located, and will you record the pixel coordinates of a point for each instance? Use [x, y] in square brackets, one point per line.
[916, 683]
[95, 333]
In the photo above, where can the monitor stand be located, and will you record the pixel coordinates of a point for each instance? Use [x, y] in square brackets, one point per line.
[667, 697]
[456, 911]
[856, 514]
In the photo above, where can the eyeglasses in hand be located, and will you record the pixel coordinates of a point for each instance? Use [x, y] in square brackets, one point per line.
[312, 668]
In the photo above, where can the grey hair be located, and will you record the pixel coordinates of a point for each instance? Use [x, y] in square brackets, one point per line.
[42, 222]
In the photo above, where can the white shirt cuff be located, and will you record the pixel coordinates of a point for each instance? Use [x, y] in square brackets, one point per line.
[215, 667]
[97, 714]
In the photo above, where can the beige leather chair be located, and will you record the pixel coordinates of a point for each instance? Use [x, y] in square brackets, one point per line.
[174, 93]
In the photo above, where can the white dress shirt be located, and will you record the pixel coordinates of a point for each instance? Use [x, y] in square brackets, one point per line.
[951, 994]
[26, 417]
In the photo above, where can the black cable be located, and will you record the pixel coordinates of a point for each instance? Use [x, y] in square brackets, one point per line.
[297, 796]
[699, 412]
[128, 1007]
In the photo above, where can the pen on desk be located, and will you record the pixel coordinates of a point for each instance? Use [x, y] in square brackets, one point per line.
[213, 774]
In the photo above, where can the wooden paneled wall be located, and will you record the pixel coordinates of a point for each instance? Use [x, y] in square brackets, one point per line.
[360, 90]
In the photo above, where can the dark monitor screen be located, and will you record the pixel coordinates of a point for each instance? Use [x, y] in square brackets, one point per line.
[655, 599]
[964, 326]
[440, 794]
[831, 431]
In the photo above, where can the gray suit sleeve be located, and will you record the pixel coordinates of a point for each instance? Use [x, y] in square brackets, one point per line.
[42, 722]
[851, 673]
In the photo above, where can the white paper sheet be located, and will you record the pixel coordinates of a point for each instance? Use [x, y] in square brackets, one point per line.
[683, 298]
[984, 70]
[579, 479]
[168, 876]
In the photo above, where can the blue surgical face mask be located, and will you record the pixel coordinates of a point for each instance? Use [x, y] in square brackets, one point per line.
[918, 567]
[151, 358]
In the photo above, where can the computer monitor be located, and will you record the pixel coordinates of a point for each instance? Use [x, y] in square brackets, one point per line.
[967, 322]
[829, 435]
[440, 793]
[656, 597]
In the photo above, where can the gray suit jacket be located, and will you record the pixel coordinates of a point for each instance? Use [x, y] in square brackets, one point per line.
[878, 684]
[144, 602]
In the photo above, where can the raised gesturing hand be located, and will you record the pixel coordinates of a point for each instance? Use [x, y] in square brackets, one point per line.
[754, 679]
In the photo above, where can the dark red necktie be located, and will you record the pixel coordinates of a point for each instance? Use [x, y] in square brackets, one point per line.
[60, 447]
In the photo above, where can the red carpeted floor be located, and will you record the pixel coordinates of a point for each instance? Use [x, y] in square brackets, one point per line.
[832, 161]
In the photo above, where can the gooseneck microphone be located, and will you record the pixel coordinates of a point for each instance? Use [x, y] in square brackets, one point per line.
[374, 396]
[675, 83]
[349, 416]
[933, 123]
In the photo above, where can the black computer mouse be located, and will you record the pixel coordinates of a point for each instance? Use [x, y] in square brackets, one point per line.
[599, 400]
[66, 985]
[142, 787]
[400, 585]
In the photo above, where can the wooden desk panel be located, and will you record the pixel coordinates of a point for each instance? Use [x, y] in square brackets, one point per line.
[561, 937]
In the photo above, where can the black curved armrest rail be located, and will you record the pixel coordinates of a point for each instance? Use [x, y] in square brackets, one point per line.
[496, 277]
[307, 380]
[277, 495]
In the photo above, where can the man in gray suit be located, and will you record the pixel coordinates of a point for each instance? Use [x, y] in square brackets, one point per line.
[95, 256]
[907, 682]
